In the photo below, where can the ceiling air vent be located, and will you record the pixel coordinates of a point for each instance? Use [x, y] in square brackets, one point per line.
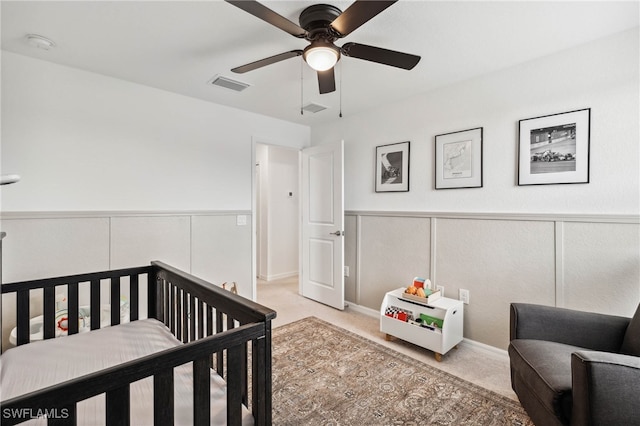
[313, 107]
[227, 83]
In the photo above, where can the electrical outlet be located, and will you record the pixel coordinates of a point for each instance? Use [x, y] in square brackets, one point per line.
[346, 271]
[463, 295]
[441, 288]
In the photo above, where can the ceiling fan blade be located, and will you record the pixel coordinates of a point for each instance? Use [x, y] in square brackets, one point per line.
[380, 55]
[266, 61]
[260, 11]
[357, 14]
[326, 81]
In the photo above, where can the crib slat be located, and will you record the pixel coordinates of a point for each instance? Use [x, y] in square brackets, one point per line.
[234, 386]
[154, 294]
[201, 392]
[94, 296]
[209, 320]
[163, 398]
[72, 307]
[231, 324]
[210, 329]
[220, 354]
[178, 303]
[133, 297]
[118, 408]
[172, 309]
[185, 317]
[49, 313]
[22, 317]
[192, 318]
[243, 375]
[115, 300]
[200, 319]
[167, 305]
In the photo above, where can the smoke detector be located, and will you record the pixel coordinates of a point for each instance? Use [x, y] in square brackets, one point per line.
[39, 42]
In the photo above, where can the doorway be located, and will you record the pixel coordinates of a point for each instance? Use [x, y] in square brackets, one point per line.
[277, 208]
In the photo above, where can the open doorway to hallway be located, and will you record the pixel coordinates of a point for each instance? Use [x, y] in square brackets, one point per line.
[277, 212]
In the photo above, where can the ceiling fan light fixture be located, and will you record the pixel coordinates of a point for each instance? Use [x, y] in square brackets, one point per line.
[321, 56]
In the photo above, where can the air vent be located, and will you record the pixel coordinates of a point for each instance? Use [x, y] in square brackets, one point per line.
[313, 107]
[227, 83]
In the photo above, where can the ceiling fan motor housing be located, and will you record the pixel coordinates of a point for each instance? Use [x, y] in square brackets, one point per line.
[316, 19]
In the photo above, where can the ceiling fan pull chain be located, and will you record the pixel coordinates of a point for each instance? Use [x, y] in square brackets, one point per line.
[301, 87]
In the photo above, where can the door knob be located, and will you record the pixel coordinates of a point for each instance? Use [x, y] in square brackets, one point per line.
[337, 233]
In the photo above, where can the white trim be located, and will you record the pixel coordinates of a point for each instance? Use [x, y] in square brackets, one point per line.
[116, 213]
[559, 273]
[363, 309]
[547, 217]
[358, 255]
[487, 348]
[279, 276]
[432, 248]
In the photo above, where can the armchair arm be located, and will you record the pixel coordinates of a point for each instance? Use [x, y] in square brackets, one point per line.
[588, 330]
[605, 388]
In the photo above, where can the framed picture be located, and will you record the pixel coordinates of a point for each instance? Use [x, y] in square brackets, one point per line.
[554, 148]
[392, 167]
[459, 159]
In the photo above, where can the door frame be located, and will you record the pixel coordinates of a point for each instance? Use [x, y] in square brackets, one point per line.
[258, 140]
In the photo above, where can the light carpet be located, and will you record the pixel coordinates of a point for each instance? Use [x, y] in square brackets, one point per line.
[325, 375]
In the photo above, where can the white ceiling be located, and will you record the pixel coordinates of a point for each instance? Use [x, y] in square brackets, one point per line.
[180, 45]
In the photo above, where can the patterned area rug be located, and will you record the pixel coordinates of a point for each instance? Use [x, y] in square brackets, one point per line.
[325, 375]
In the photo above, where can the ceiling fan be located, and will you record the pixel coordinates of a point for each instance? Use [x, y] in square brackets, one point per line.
[322, 25]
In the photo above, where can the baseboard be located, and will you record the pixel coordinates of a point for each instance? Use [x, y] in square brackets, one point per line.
[484, 347]
[362, 309]
[467, 342]
[278, 276]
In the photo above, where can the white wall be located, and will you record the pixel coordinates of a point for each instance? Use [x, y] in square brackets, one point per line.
[563, 245]
[86, 142]
[602, 75]
[118, 174]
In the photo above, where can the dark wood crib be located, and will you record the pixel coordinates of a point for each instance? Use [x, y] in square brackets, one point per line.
[219, 330]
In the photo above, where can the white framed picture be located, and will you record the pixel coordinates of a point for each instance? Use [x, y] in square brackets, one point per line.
[554, 148]
[459, 159]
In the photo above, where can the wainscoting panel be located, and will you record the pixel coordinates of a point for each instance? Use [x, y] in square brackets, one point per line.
[392, 251]
[40, 248]
[601, 267]
[350, 258]
[47, 247]
[499, 262]
[137, 240]
[46, 244]
[587, 262]
[221, 251]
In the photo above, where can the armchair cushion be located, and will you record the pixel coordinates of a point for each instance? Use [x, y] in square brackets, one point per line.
[544, 369]
[631, 342]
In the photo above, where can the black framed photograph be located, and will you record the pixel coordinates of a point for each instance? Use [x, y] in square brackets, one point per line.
[459, 159]
[392, 167]
[554, 148]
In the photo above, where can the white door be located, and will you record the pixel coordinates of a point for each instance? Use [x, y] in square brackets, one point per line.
[322, 233]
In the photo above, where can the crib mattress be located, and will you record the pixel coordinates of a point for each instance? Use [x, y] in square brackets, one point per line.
[41, 364]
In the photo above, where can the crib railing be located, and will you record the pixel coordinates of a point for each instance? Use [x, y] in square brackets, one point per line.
[206, 318]
[71, 284]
